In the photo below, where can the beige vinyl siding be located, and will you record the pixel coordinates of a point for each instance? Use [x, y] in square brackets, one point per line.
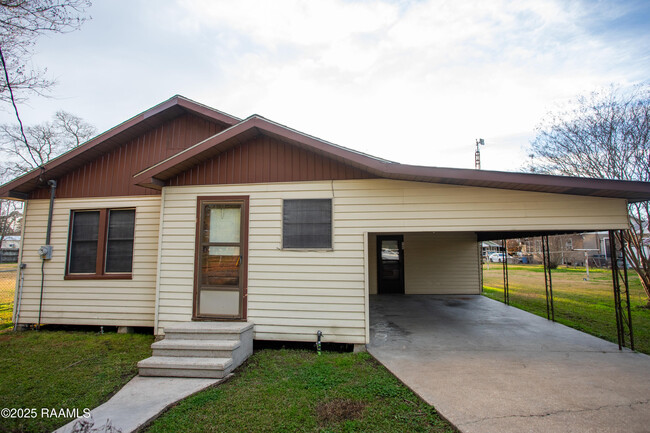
[372, 264]
[89, 302]
[443, 263]
[292, 294]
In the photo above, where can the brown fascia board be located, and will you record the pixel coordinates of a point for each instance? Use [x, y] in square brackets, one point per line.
[633, 191]
[155, 176]
[174, 106]
[207, 112]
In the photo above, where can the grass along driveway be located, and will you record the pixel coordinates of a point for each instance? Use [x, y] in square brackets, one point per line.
[580, 304]
[298, 391]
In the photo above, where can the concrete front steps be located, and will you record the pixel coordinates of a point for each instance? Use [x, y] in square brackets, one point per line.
[200, 349]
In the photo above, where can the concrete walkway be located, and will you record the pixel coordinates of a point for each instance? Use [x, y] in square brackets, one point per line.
[487, 367]
[140, 401]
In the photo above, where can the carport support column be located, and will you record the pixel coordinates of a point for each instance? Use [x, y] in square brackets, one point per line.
[621, 294]
[548, 281]
[506, 287]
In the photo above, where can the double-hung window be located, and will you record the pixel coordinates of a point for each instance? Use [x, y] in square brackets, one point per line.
[307, 224]
[101, 243]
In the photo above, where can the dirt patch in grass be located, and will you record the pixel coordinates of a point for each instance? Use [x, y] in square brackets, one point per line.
[339, 410]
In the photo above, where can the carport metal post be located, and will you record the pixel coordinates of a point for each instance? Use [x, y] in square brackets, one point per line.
[623, 312]
[548, 281]
[506, 288]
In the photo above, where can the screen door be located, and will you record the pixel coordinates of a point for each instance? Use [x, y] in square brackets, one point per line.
[220, 260]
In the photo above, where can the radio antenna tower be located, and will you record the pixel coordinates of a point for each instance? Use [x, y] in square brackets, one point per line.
[477, 154]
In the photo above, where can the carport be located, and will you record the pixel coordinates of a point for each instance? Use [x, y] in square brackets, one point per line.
[485, 366]
[489, 367]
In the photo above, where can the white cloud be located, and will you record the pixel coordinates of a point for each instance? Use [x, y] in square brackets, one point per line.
[413, 81]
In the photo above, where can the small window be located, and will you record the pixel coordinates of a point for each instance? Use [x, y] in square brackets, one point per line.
[101, 243]
[83, 242]
[119, 241]
[307, 223]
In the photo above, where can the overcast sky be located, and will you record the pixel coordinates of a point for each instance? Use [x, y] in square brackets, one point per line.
[411, 81]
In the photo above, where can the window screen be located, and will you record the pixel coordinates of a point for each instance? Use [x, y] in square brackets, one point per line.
[307, 223]
[83, 243]
[119, 241]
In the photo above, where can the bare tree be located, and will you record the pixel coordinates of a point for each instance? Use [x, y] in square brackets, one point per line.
[35, 148]
[10, 216]
[44, 142]
[605, 134]
[21, 23]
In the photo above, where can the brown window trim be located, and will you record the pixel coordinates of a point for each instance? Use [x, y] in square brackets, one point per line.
[98, 277]
[102, 237]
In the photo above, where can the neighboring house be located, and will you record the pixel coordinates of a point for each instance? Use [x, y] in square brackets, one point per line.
[489, 247]
[570, 248]
[187, 213]
[10, 242]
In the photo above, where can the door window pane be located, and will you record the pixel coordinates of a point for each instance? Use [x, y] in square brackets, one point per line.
[220, 266]
[83, 242]
[119, 243]
[389, 250]
[217, 302]
[222, 223]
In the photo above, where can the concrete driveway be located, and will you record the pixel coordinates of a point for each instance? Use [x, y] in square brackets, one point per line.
[487, 367]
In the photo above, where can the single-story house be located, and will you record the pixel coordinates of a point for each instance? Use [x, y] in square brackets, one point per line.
[185, 213]
[489, 247]
[10, 241]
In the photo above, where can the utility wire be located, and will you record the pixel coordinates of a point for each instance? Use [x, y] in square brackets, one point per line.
[13, 102]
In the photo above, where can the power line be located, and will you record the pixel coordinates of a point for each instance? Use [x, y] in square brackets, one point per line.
[13, 102]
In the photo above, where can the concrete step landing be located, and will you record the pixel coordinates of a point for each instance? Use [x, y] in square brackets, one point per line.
[200, 349]
[195, 348]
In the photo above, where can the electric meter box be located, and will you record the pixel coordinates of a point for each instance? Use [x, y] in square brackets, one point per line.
[45, 252]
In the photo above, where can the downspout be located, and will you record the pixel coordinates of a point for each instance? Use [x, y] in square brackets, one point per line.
[20, 281]
[45, 255]
[19, 295]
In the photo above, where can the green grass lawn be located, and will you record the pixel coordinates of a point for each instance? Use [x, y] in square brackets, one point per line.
[59, 369]
[298, 391]
[275, 391]
[7, 289]
[584, 305]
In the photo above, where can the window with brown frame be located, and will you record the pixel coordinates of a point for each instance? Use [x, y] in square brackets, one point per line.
[101, 243]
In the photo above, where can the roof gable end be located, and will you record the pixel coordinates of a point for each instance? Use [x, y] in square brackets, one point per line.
[112, 139]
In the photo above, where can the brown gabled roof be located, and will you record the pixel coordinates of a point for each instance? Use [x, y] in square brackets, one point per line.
[103, 143]
[155, 176]
[240, 131]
